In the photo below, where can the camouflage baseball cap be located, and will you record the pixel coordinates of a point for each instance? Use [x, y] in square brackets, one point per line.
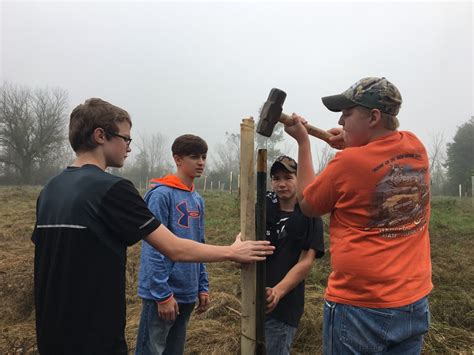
[368, 92]
[284, 162]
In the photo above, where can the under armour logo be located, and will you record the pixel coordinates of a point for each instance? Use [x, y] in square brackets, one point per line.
[185, 214]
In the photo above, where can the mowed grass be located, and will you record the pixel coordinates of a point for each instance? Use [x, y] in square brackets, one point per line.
[217, 331]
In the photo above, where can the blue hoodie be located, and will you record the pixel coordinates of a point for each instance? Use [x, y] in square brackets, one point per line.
[181, 210]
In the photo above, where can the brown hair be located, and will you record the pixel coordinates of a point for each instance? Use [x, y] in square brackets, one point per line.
[188, 144]
[94, 113]
[389, 122]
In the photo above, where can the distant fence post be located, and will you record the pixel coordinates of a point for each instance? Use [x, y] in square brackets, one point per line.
[230, 183]
[238, 185]
[205, 183]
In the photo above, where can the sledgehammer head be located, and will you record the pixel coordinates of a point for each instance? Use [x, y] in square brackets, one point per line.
[271, 112]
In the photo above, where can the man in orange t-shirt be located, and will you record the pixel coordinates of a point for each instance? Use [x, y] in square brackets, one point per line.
[377, 192]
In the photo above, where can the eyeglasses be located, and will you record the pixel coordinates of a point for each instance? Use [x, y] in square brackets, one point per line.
[127, 140]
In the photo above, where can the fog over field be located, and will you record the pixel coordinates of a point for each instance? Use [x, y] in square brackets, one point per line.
[200, 68]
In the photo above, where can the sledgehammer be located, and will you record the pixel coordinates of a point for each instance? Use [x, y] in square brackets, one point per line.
[271, 114]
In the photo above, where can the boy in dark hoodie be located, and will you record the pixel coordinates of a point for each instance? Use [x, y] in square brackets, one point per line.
[170, 290]
[298, 240]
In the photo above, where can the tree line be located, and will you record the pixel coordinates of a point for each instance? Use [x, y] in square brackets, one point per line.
[34, 147]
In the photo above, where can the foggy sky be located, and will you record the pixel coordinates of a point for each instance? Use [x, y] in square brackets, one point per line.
[201, 67]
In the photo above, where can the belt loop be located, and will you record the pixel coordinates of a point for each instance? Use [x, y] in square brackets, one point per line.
[332, 306]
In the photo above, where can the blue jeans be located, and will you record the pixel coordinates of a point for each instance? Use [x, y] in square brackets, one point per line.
[358, 330]
[157, 336]
[278, 337]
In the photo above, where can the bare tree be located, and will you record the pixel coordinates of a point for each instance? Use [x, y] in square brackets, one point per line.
[437, 157]
[323, 157]
[32, 127]
[227, 155]
[153, 160]
[154, 149]
[271, 143]
[225, 158]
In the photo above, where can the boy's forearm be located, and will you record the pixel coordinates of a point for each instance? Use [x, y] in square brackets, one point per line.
[179, 249]
[293, 278]
[305, 174]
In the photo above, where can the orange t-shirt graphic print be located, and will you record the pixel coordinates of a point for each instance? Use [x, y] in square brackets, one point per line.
[400, 202]
[378, 196]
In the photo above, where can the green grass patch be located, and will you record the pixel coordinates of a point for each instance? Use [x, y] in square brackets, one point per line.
[452, 216]
[217, 331]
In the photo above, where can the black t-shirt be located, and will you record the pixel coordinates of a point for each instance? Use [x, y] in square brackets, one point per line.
[85, 219]
[290, 233]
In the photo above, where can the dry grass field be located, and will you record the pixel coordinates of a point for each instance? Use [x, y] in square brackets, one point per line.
[217, 331]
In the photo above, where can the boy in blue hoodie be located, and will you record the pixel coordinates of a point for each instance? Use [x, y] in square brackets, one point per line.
[169, 290]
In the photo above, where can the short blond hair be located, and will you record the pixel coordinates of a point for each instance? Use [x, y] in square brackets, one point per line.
[389, 121]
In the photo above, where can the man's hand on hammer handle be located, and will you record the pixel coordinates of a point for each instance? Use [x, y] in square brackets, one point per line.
[334, 141]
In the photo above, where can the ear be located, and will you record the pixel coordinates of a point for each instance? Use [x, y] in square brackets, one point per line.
[375, 118]
[99, 135]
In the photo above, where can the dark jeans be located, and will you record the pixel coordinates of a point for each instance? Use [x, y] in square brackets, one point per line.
[278, 337]
[157, 336]
[358, 330]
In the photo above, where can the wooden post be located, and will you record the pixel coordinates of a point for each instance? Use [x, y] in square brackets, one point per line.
[205, 183]
[211, 184]
[230, 183]
[247, 229]
[218, 186]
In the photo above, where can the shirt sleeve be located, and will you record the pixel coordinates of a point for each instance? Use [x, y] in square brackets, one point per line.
[159, 266]
[203, 276]
[159, 203]
[126, 214]
[322, 194]
[33, 236]
[315, 236]
[159, 269]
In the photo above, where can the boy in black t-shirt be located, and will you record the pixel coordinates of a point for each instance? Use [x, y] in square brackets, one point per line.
[85, 219]
[298, 240]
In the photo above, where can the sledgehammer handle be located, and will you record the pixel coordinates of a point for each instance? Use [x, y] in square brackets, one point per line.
[315, 132]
